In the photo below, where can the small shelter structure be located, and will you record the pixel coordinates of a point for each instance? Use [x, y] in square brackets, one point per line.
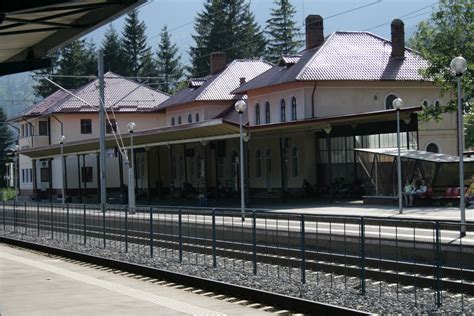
[438, 170]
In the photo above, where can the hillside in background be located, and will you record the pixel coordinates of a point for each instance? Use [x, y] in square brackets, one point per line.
[16, 93]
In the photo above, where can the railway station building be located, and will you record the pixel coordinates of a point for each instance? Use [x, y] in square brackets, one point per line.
[305, 116]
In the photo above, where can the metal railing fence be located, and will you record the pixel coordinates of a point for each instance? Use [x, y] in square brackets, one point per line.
[372, 256]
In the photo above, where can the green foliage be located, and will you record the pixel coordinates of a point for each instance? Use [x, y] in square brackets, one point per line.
[135, 50]
[77, 58]
[111, 46]
[448, 33]
[282, 31]
[7, 194]
[168, 65]
[225, 25]
[5, 141]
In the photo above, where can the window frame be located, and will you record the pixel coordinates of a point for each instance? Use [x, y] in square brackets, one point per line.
[282, 110]
[111, 126]
[257, 114]
[43, 129]
[295, 163]
[391, 103]
[268, 118]
[86, 126]
[294, 114]
[197, 117]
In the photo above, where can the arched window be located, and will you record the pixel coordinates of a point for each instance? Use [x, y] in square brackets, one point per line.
[190, 118]
[172, 121]
[267, 113]
[257, 114]
[258, 167]
[294, 161]
[282, 111]
[432, 148]
[425, 103]
[179, 119]
[293, 109]
[389, 101]
[436, 104]
[197, 117]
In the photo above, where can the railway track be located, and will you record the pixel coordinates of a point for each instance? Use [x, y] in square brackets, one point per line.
[391, 271]
[284, 305]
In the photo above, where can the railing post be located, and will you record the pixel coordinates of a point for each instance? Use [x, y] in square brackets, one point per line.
[26, 223]
[362, 256]
[4, 226]
[52, 224]
[438, 265]
[38, 218]
[254, 241]
[67, 222]
[151, 231]
[126, 229]
[85, 224]
[303, 250]
[14, 217]
[103, 224]
[180, 236]
[214, 259]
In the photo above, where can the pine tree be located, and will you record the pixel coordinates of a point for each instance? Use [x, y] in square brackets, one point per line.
[282, 31]
[168, 66]
[111, 46]
[135, 49]
[225, 25]
[5, 141]
[78, 58]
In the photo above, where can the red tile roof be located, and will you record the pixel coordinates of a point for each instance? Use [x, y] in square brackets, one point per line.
[121, 95]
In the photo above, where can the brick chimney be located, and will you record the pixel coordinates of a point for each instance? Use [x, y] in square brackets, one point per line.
[218, 62]
[398, 39]
[314, 31]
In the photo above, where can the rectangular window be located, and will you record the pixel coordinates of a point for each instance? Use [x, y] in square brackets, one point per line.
[30, 173]
[44, 174]
[43, 128]
[86, 174]
[86, 126]
[111, 126]
[23, 176]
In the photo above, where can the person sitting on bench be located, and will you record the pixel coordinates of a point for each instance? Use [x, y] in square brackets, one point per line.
[469, 196]
[407, 190]
[419, 190]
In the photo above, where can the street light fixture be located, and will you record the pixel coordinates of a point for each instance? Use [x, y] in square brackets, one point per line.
[240, 107]
[397, 105]
[63, 172]
[458, 67]
[131, 182]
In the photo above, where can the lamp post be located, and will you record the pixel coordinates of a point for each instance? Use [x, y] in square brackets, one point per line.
[61, 142]
[397, 104]
[131, 171]
[458, 67]
[17, 172]
[240, 107]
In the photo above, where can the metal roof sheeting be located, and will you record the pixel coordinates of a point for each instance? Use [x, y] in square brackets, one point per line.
[360, 56]
[219, 87]
[415, 154]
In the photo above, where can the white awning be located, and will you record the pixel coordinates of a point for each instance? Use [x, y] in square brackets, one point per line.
[415, 154]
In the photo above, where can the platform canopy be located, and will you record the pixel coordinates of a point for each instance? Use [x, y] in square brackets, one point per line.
[31, 29]
[438, 170]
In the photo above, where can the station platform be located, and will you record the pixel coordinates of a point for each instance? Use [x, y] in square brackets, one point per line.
[36, 284]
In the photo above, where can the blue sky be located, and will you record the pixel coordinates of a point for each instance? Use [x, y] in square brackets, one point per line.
[179, 15]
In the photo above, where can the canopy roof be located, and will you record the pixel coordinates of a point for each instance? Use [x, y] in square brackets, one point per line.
[416, 154]
[196, 132]
[31, 29]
